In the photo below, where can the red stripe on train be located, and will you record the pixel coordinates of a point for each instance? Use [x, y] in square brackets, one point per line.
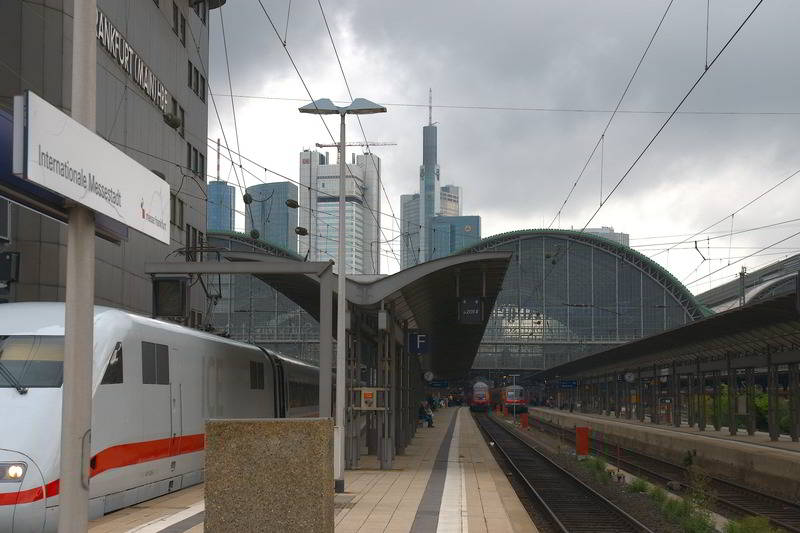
[116, 457]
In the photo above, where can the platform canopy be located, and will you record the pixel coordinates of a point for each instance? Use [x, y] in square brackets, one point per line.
[424, 297]
[746, 334]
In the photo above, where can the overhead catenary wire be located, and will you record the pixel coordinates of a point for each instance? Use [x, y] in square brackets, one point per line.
[360, 125]
[671, 115]
[466, 107]
[611, 118]
[741, 208]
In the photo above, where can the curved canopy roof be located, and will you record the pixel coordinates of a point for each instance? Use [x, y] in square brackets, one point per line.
[679, 291]
[425, 296]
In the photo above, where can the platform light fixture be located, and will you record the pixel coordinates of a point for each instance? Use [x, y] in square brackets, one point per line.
[325, 106]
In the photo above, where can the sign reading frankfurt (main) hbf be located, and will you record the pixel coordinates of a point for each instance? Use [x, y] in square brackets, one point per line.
[54, 151]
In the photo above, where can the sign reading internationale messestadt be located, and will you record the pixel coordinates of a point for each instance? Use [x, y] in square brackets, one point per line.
[54, 151]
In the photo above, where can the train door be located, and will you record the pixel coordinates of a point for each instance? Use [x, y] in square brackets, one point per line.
[156, 392]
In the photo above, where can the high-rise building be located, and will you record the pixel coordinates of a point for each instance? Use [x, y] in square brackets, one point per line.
[450, 201]
[270, 216]
[451, 234]
[319, 210]
[609, 233]
[429, 198]
[221, 206]
[143, 52]
[410, 229]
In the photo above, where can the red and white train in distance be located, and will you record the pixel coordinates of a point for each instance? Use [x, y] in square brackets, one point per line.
[154, 385]
[479, 396]
[512, 397]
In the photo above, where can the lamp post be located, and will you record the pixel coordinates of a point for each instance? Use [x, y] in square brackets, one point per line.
[324, 106]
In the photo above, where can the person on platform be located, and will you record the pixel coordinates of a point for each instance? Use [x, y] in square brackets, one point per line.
[424, 416]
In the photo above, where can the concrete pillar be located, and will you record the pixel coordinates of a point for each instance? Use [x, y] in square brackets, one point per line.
[701, 398]
[654, 410]
[617, 397]
[751, 401]
[772, 397]
[717, 402]
[676, 396]
[628, 403]
[639, 395]
[607, 394]
[733, 426]
[690, 410]
[794, 402]
[326, 343]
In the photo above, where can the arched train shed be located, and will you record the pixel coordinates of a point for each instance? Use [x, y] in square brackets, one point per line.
[569, 294]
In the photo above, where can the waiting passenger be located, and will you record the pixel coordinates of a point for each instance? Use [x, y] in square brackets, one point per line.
[425, 414]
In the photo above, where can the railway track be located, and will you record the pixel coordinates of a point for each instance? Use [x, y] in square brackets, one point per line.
[571, 505]
[738, 498]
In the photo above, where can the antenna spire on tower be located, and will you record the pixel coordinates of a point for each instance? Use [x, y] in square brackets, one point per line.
[430, 107]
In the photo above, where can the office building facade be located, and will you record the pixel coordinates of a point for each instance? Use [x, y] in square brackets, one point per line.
[221, 206]
[451, 234]
[450, 201]
[270, 216]
[168, 41]
[429, 196]
[319, 210]
[607, 232]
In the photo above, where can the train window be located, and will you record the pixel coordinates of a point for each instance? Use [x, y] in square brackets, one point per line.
[31, 361]
[256, 375]
[162, 364]
[113, 373]
[155, 363]
[303, 394]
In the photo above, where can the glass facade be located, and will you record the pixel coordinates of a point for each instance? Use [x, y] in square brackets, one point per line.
[451, 234]
[568, 294]
[269, 214]
[221, 206]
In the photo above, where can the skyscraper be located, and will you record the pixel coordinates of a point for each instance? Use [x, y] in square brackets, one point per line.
[429, 198]
[410, 229]
[221, 206]
[270, 216]
[319, 210]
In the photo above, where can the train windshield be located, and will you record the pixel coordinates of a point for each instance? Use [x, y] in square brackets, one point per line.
[31, 361]
[514, 394]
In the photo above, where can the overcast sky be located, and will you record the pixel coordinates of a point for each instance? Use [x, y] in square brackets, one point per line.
[516, 166]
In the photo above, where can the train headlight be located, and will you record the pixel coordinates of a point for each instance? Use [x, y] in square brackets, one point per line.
[12, 472]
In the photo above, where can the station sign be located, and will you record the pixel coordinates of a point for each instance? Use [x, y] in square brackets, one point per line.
[470, 310]
[56, 152]
[418, 342]
[568, 384]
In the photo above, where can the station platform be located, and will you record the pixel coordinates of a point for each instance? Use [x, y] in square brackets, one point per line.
[447, 481]
[752, 460]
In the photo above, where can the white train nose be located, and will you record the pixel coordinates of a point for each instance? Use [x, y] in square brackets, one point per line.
[22, 496]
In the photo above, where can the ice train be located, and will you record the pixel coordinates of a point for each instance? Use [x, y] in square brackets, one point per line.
[154, 385]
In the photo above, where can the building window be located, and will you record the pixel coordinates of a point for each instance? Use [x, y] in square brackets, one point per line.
[176, 210]
[202, 164]
[175, 17]
[194, 160]
[196, 81]
[182, 116]
[189, 79]
[155, 364]
[201, 8]
[256, 375]
[188, 156]
[202, 88]
[183, 30]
